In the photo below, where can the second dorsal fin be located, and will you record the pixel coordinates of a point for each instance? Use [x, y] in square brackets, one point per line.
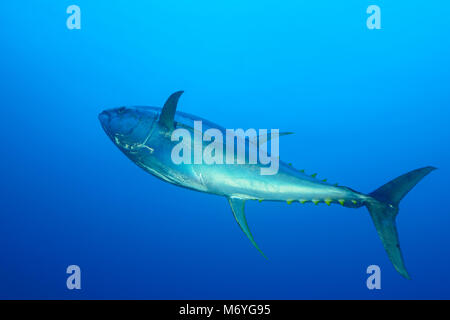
[267, 137]
[168, 111]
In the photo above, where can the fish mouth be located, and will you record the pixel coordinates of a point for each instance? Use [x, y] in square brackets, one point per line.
[104, 117]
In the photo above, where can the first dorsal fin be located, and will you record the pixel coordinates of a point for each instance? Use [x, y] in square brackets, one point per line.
[237, 206]
[168, 111]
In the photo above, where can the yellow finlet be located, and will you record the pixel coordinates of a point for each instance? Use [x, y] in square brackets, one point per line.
[354, 201]
[302, 171]
[341, 201]
[289, 201]
[290, 164]
[314, 175]
[328, 201]
[324, 180]
[316, 202]
[260, 200]
[303, 201]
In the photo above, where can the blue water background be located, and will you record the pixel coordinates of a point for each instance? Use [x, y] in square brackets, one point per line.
[365, 106]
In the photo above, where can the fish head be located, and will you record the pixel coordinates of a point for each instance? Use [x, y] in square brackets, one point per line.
[129, 128]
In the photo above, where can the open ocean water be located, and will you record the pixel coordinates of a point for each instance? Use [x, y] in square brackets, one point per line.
[365, 106]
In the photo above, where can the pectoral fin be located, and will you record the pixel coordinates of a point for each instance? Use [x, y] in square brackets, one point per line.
[238, 208]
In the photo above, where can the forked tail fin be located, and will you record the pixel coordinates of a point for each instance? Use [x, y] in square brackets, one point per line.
[383, 208]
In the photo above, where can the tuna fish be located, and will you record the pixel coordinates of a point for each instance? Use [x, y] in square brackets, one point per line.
[144, 135]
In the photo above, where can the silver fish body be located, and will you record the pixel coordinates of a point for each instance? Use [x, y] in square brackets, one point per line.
[144, 135]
